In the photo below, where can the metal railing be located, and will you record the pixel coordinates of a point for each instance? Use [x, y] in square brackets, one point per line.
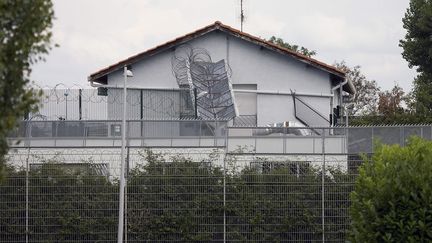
[112, 128]
[215, 133]
[245, 121]
[308, 115]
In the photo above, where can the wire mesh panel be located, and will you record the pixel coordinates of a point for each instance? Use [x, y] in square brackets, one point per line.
[71, 104]
[175, 198]
[273, 199]
[58, 197]
[91, 104]
[245, 121]
[339, 178]
[189, 194]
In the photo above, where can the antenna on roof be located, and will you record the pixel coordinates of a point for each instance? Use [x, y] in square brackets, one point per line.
[242, 17]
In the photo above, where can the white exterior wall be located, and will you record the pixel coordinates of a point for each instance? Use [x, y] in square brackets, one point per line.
[250, 64]
[153, 72]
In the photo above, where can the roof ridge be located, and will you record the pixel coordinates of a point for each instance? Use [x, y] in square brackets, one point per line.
[216, 25]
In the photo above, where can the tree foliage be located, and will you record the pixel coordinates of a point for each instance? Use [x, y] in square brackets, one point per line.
[24, 36]
[417, 45]
[65, 204]
[417, 50]
[392, 200]
[373, 106]
[390, 102]
[300, 49]
[421, 102]
[366, 98]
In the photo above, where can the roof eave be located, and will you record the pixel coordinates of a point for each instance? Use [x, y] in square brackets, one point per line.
[152, 52]
[227, 29]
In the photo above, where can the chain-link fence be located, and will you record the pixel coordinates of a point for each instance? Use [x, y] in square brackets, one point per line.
[262, 185]
[182, 195]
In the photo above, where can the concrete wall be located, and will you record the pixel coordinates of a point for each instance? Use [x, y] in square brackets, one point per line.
[251, 65]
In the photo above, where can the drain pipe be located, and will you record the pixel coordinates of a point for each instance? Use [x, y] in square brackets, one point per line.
[339, 86]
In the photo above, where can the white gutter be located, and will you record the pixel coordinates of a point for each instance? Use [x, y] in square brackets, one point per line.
[271, 92]
[278, 92]
[339, 86]
[95, 85]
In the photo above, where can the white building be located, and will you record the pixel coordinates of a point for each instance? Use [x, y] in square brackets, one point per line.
[263, 77]
[210, 88]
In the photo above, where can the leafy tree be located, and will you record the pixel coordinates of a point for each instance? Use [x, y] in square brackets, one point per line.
[392, 200]
[421, 102]
[366, 97]
[296, 48]
[417, 50]
[394, 107]
[417, 45]
[24, 36]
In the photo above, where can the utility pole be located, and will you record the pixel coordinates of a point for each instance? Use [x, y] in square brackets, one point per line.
[120, 231]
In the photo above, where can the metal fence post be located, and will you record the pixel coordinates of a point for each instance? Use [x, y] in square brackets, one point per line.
[195, 103]
[372, 140]
[284, 140]
[126, 193]
[224, 186]
[215, 133]
[200, 133]
[141, 112]
[28, 125]
[80, 104]
[322, 185]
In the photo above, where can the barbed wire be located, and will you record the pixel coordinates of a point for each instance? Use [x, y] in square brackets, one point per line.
[63, 101]
[159, 103]
[184, 57]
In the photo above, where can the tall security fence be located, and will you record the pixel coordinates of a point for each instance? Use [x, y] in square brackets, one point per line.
[255, 185]
[174, 195]
[104, 103]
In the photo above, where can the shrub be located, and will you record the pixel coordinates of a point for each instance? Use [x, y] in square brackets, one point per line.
[392, 200]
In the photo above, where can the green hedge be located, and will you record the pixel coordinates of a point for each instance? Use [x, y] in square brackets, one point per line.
[176, 200]
[392, 200]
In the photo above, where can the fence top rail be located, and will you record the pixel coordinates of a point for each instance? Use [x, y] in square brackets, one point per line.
[119, 121]
[339, 127]
[224, 120]
[387, 125]
[118, 147]
[113, 87]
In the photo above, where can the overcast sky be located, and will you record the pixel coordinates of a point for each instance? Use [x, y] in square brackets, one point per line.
[94, 34]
